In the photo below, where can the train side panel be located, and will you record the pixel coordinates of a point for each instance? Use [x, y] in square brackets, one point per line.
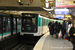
[45, 25]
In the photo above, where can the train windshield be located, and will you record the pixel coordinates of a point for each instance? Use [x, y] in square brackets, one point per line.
[29, 23]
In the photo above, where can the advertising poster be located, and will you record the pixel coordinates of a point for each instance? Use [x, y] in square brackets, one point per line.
[65, 3]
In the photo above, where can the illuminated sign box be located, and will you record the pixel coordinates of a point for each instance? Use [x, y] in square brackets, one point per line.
[62, 11]
[68, 16]
[60, 16]
[65, 3]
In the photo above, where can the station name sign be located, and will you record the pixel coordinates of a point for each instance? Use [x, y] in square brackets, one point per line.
[65, 3]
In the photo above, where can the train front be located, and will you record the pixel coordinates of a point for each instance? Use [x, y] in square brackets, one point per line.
[29, 24]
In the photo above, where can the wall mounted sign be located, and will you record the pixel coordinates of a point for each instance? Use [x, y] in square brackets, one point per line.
[65, 3]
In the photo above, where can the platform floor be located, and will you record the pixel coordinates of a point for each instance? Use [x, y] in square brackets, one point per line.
[48, 42]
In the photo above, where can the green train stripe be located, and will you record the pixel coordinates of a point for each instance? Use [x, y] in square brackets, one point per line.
[39, 21]
[6, 33]
[18, 30]
[14, 31]
[4, 14]
[1, 34]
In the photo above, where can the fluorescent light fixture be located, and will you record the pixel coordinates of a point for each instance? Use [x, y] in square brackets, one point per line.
[60, 16]
[61, 9]
[49, 12]
[47, 9]
[46, 0]
[47, 5]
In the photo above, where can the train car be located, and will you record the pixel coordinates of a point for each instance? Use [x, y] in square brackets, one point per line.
[9, 24]
[34, 24]
[5, 28]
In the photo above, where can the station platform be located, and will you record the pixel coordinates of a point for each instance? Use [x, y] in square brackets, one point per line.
[47, 42]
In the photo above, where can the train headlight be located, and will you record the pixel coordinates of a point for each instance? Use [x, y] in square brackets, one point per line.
[35, 29]
[22, 28]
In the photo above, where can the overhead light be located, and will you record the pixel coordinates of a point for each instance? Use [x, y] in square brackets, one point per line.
[48, 9]
[46, 0]
[49, 12]
[47, 5]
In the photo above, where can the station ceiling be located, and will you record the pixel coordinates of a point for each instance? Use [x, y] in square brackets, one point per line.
[25, 6]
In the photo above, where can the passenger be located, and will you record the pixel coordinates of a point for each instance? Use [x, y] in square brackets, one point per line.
[57, 29]
[52, 28]
[63, 30]
[59, 26]
[69, 26]
[72, 36]
[66, 35]
[49, 26]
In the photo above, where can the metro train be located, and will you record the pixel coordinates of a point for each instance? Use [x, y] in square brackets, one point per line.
[34, 24]
[29, 23]
[9, 25]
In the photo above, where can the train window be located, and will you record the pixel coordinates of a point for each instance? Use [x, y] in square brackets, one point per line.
[40, 22]
[8, 25]
[18, 25]
[4, 24]
[34, 21]
[28, 20]
[44, 22]
[47, 21]
[14, 25]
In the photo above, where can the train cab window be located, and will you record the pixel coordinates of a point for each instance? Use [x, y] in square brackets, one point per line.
[14, 25]
[29, 23]
[18, 25]
[34, 21]
[4, 24]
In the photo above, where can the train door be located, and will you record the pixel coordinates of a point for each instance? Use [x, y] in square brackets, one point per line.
[0, 27]
[14, 26]
[18, 25]
[29, 23]
[40, 25]
[6, 26]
